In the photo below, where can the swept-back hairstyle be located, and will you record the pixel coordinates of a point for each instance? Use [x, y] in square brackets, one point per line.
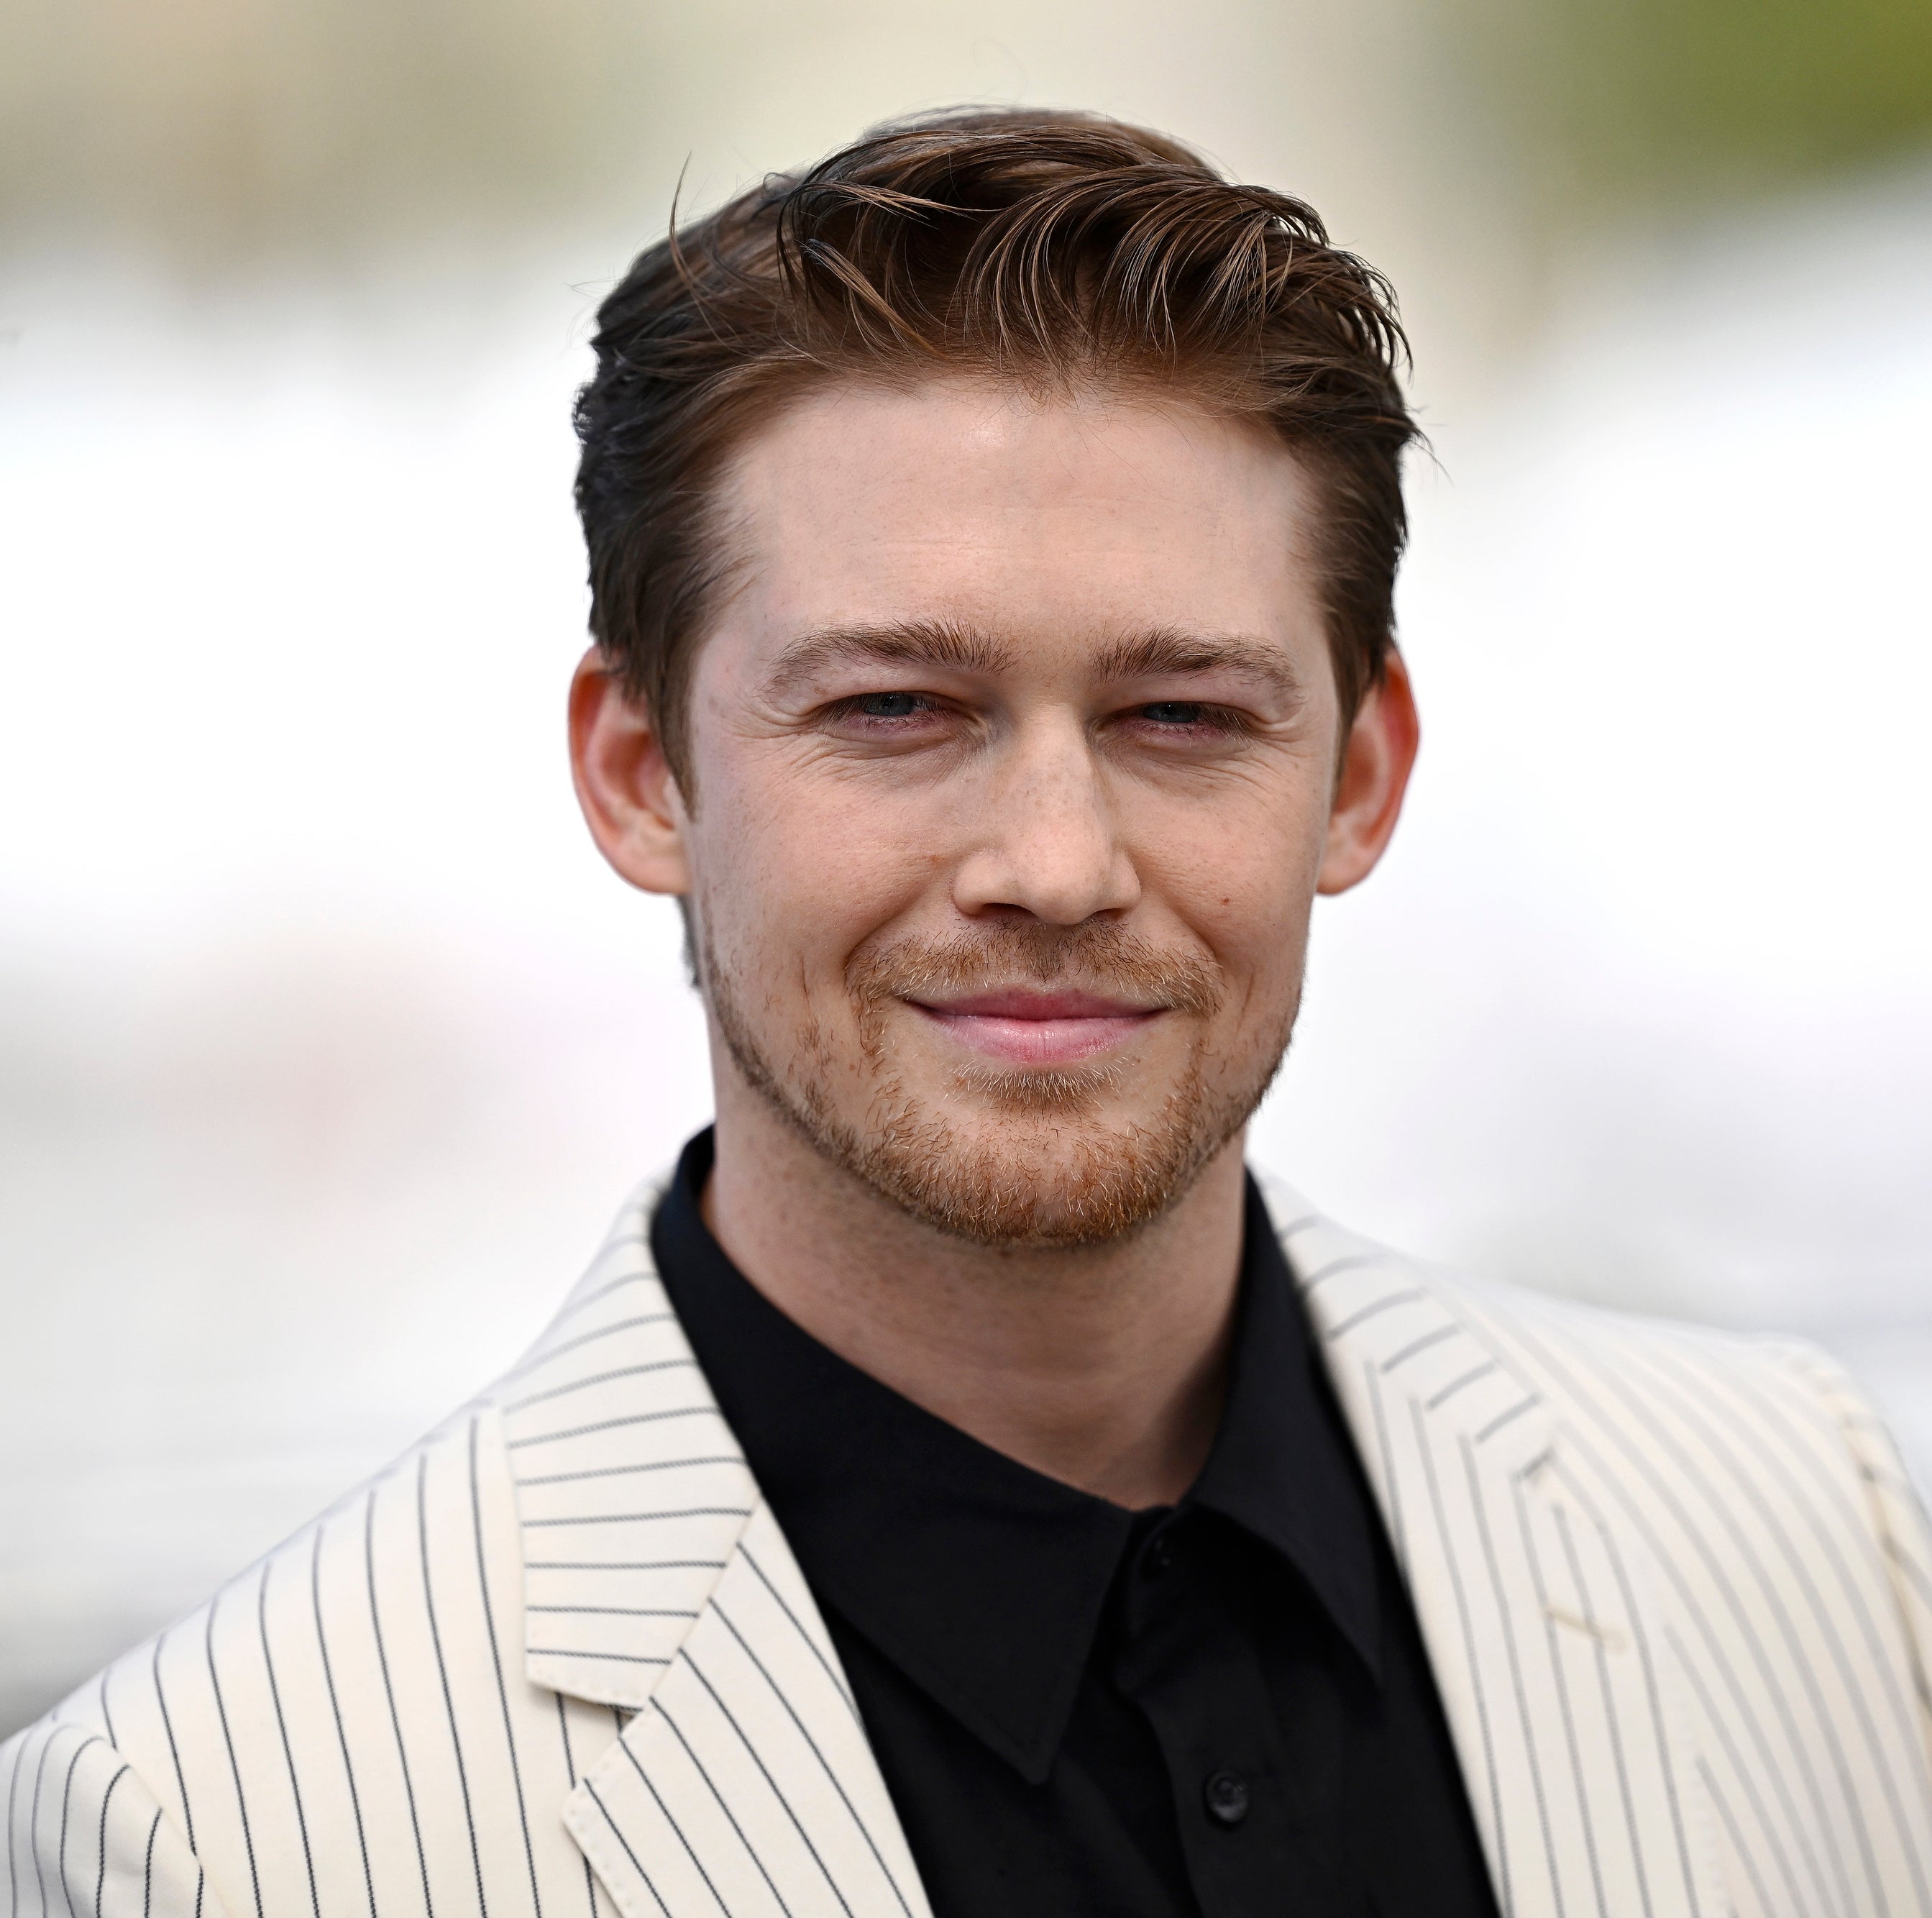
[1054, 249]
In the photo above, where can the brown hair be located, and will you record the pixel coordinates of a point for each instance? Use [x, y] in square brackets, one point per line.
[1047, 247]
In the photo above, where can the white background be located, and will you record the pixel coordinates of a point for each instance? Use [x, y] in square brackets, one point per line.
[327, 1046]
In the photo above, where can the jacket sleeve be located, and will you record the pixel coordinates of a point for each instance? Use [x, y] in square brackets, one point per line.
[1897, 1516]
[81, 1820]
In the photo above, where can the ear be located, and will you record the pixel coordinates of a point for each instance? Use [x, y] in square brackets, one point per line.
[1376, 766]
[631, 801]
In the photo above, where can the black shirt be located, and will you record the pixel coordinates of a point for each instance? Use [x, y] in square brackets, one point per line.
[1219, 1708]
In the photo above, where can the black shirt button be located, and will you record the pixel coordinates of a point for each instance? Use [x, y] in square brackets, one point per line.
[1227, 1795]
[1159, 1556]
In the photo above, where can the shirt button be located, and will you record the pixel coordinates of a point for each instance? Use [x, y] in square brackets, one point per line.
[1159, 1556]
[1227, 1795]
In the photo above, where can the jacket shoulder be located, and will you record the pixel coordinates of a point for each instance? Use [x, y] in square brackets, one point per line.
[1748, 1473]
[80, 1817]
[1771, 1415]
[1609, 1375]
[353, 1720]
[298, 1725]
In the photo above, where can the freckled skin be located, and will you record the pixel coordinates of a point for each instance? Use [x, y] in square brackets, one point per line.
[1048, 774]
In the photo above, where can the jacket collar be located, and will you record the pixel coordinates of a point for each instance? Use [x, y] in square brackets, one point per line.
[632, 1494]
[1537, 1608]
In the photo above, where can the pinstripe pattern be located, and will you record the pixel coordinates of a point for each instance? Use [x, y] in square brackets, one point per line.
[1676, 1589]
[631, 1491]
[319, 1667]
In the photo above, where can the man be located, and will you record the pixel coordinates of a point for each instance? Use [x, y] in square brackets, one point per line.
[961, 1489]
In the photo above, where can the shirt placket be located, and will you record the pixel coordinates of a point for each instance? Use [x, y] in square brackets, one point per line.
[1256, 1788]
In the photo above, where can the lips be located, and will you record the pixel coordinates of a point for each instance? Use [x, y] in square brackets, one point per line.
[1036, 1028]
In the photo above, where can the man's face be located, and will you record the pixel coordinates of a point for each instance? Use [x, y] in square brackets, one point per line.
[1013, 754]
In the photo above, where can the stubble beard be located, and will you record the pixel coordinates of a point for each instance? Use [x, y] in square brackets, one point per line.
[1049, 1168]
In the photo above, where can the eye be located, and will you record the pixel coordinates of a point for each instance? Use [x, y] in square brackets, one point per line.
[887, 706]
[1193, 721]
[883, 716]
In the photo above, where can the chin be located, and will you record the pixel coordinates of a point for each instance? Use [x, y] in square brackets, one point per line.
[1090, 1096]
[1035, 1159]
[1008, 1198]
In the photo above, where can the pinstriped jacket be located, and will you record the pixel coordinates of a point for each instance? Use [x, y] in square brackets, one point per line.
[559, 1660]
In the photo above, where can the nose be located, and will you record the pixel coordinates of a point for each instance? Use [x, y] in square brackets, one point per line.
[1047, 842]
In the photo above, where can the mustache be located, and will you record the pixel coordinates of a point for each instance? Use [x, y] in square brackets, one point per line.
[1102, 959]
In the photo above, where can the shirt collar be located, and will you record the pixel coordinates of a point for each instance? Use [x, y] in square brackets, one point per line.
[1283, 1465]
[983, 1580]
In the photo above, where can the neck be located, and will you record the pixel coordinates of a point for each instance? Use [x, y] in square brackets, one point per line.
[1104, 1367]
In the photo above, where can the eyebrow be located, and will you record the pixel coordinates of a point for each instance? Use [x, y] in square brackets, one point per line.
[910, 643]
[1167, 650]
[1164, 651]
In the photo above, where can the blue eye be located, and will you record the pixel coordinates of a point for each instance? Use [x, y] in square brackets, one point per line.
[888, 705]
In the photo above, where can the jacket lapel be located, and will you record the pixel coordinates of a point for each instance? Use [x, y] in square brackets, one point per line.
[1539, 1618]
[746, 1783]
[655, 1578]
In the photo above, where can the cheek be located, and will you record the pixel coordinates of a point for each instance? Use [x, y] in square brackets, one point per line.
[1245, 887]
[1261, 937]
[795, 874]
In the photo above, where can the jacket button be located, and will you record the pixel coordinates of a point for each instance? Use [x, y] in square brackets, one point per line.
[1227, 1795]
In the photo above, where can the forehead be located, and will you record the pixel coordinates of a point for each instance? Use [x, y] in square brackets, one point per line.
[1082, 514]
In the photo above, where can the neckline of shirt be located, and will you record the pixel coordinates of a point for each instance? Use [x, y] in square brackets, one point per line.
[982, 1580]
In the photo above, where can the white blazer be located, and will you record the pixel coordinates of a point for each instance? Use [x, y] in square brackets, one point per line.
[1677, 1594]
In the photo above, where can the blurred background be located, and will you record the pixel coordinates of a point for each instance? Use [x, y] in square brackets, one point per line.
[327, 1046]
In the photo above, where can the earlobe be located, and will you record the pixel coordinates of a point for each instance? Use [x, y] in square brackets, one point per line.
[624, 783]
[1376, 766]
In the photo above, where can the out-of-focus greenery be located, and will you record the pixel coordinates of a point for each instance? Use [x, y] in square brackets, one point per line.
[210, 131]
[1623, 101]
[213, 131]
